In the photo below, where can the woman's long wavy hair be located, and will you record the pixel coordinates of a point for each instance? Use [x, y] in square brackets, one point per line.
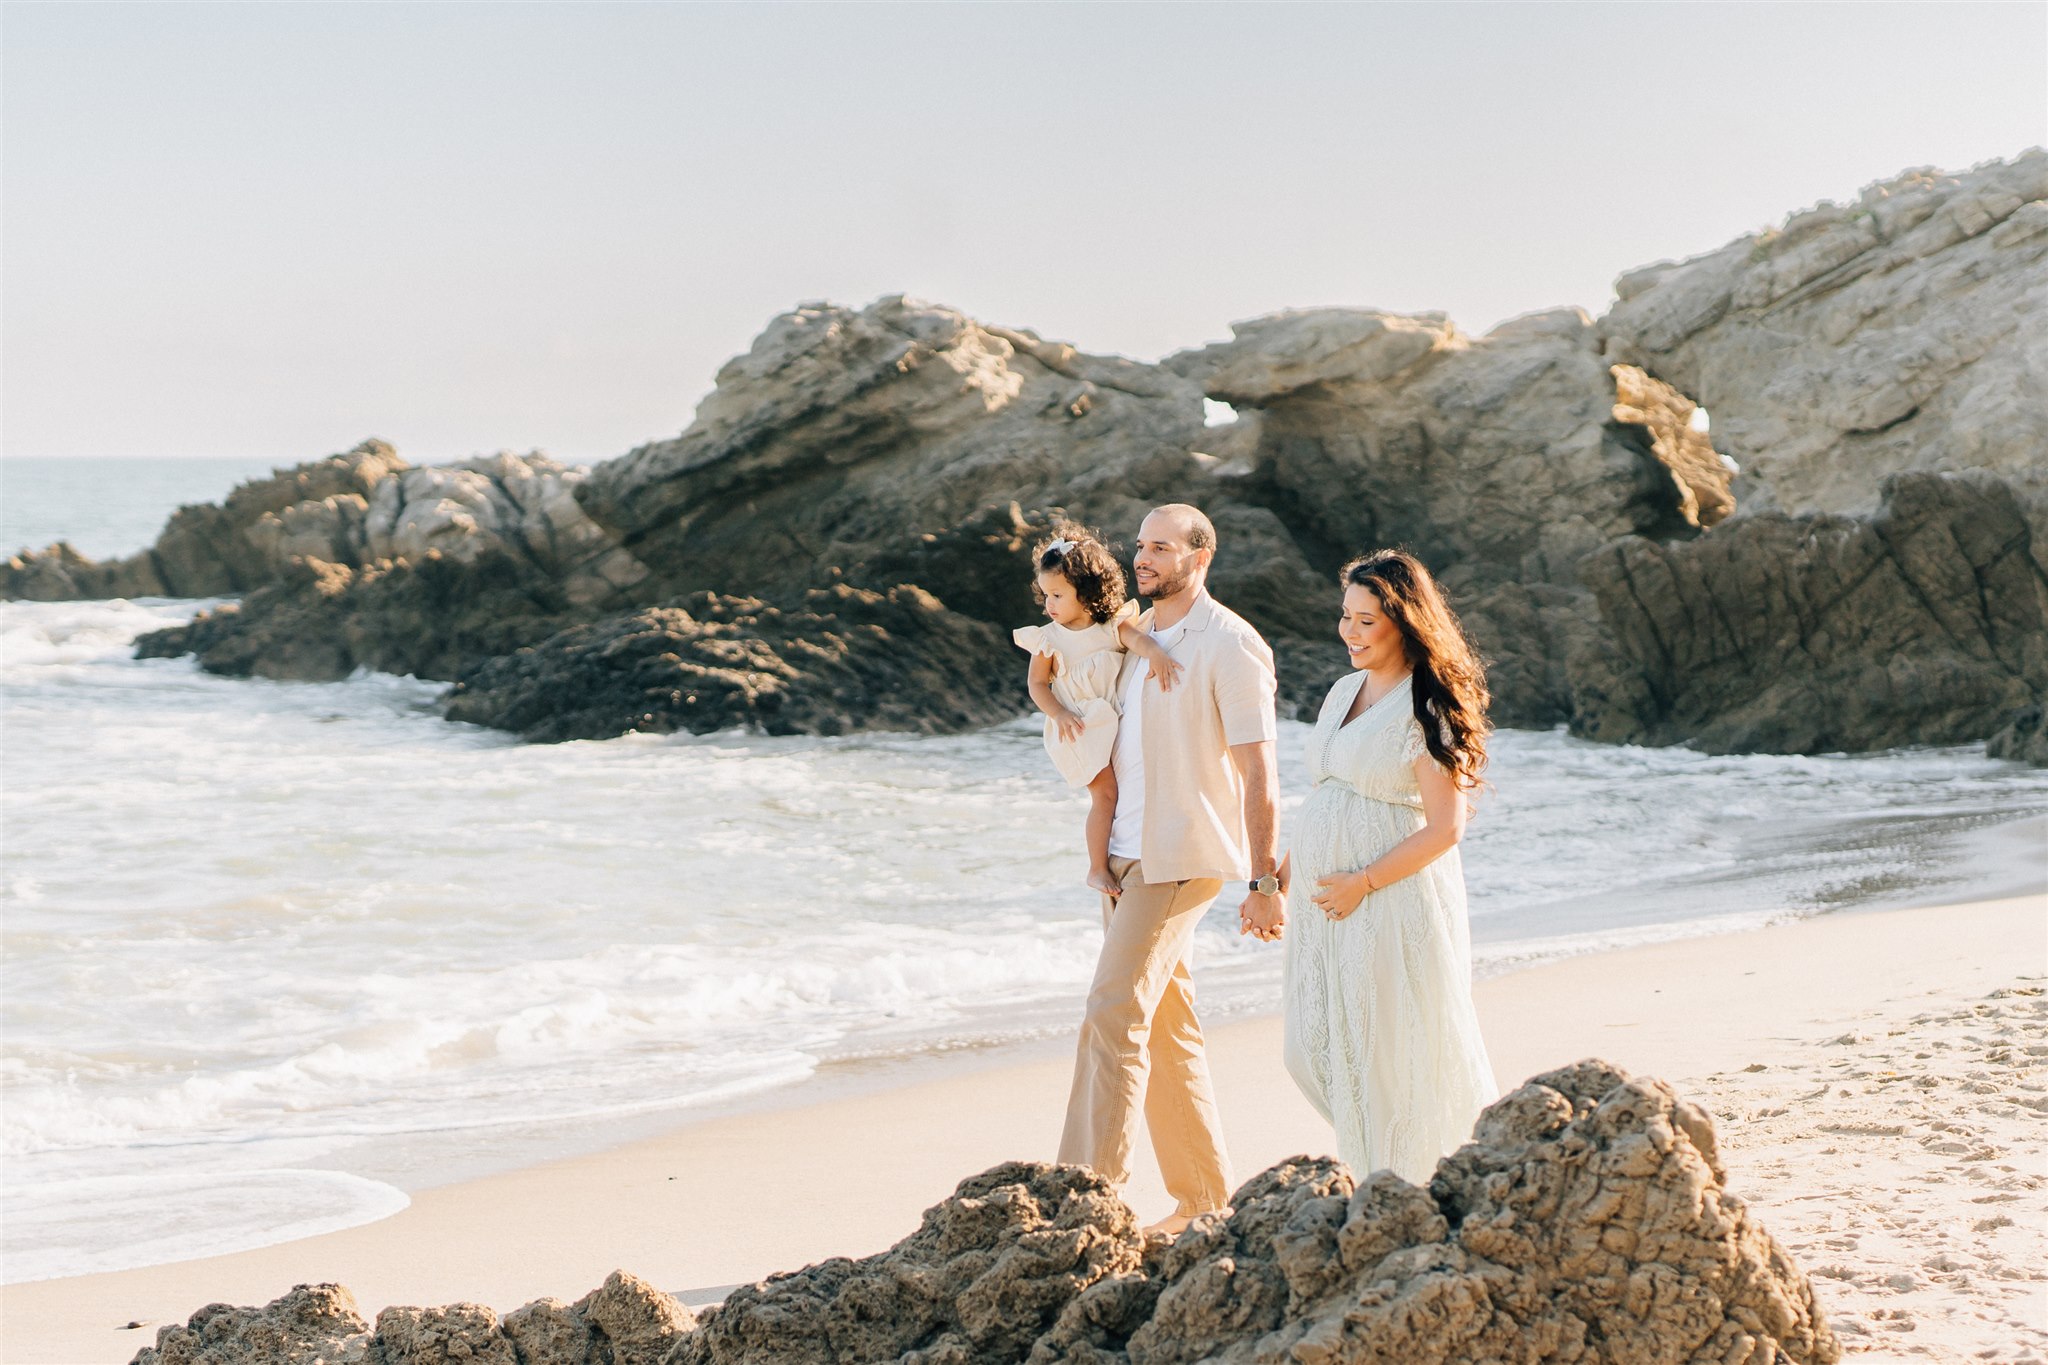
[1450, 683]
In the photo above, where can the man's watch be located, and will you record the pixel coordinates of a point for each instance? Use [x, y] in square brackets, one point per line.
[1268, 885]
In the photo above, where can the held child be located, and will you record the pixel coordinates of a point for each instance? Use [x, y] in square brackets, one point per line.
[1075, 662]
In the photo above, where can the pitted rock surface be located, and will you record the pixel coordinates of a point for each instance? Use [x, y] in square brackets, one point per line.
[1587, 1221]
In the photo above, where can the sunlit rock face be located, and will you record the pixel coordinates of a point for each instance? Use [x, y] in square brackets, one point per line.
[1906, 330]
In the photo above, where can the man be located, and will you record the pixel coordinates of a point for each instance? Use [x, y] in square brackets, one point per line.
[1197, 801]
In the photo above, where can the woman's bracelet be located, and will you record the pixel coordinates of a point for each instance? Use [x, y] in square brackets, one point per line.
[1370, 885]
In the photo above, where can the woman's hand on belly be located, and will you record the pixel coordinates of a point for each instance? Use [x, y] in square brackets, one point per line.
[1340, 893]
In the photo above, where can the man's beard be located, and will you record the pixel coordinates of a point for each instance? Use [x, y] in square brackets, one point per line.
[1163, 586]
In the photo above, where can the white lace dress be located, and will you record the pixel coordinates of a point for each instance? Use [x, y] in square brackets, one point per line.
[1380, 1030]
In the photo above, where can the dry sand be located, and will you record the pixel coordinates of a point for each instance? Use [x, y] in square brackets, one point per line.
[1880, 1080]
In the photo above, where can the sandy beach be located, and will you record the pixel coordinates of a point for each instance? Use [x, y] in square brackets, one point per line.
[1879, 1081]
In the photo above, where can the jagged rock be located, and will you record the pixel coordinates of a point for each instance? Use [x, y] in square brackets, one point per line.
[631, 1322]
[843, 437]
[1701, 473]
[986, 1275]
[1507, 451]
[354, 509]
[1905, 331]
[846, 659]
[1585, 1221]
[1926, 622]
[237, 544]
[523, 507]
[432, 617]
[59, 573]
[1500, 461]
[315, 1324]
[458, 1334]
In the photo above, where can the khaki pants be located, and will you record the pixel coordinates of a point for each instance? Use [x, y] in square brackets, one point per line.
[1140, 1027]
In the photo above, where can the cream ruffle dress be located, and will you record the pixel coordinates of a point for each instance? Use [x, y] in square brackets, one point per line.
[1087, 664]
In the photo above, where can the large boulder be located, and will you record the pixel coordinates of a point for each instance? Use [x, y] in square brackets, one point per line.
[1587, 1220]
[1500, 461]
[1925, 622]
[990, 1272]
[1907, 330]
[846, 436]
[626, 1321]
[1513, 453]
[314, 1324]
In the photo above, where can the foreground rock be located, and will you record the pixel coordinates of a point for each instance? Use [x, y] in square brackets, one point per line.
[1587, 1221]
[626, 1322]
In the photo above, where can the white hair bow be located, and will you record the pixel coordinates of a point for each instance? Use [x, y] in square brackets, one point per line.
[1058, 547]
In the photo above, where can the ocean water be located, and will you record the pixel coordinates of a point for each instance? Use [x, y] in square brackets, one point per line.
[272, 954]
[109, 507]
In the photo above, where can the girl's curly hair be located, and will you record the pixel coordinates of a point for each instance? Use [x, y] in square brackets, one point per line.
[1078, 555]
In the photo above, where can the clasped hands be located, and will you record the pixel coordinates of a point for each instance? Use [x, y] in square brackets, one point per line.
[1337, 896]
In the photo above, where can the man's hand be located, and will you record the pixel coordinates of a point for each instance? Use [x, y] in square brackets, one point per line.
[1263, 917]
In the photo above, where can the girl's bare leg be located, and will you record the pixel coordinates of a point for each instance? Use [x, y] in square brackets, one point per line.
[1101, 811]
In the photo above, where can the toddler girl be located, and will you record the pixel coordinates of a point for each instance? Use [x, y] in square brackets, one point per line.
[1075, 663]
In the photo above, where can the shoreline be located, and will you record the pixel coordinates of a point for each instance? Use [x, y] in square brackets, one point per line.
[905, 1131]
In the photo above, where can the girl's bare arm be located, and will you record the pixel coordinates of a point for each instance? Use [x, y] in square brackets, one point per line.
[1141, 643]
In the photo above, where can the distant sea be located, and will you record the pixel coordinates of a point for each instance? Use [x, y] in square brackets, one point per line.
[274, 954]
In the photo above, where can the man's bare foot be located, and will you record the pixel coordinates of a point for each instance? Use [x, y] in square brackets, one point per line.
[1171, 1226]
[1103, 880]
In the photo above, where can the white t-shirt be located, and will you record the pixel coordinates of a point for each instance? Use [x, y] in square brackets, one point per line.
[1127, 827]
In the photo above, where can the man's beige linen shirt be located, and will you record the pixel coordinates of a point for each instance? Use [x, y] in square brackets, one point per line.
[1194, 797]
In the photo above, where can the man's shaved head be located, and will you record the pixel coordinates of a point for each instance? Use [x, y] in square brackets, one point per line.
[1192, 523]
[1175, 544]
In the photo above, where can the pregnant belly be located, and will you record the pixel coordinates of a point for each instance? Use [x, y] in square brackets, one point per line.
[1337, 830]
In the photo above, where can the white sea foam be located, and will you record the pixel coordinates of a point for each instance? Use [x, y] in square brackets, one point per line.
[255, 930]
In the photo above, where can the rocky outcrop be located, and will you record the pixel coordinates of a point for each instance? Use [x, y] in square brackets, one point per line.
[215, 549]
[1588, 1220]
[1617, 568]
[433, 617]
[844, 437]
[1926, 622]
[1500, 460]
[1907, 330]
[847, 659]
[315, 1324]
[355, 509]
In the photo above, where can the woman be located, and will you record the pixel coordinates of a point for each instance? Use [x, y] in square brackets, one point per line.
[1381, 1033]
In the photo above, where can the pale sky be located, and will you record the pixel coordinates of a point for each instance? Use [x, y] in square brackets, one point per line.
[273, 230]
